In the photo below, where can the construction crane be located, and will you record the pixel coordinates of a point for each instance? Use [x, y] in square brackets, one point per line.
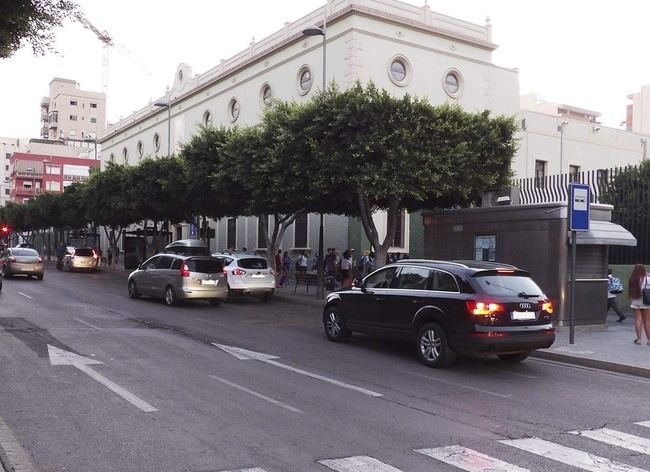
[108, 43]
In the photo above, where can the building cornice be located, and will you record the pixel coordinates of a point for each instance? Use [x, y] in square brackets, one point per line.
[335, 17]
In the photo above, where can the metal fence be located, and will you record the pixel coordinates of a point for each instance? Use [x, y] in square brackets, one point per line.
[626, 188]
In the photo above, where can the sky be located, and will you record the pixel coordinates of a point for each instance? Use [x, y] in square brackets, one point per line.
[586, 53]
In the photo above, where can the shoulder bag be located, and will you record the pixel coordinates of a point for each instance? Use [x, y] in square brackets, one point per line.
[645, 292]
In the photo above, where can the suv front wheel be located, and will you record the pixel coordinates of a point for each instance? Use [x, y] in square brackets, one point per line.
[432, 346]
[335, 329]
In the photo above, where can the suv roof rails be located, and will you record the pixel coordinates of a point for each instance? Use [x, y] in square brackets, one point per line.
[434, 261]
[487, 265]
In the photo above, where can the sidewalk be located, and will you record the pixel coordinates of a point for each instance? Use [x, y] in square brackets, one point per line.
[608, 347]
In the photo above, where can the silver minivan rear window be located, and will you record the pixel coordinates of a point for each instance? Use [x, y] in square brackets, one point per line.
[204, 266]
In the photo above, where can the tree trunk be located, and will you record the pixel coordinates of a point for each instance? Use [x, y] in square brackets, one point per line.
[392, 217]
[282, 223]
[113, 242]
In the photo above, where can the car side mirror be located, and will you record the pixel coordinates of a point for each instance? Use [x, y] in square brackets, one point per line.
[357, 283]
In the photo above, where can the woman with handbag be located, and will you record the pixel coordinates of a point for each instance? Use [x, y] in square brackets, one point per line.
[639, 292]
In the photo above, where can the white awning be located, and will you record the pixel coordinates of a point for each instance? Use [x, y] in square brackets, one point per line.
[606, 233]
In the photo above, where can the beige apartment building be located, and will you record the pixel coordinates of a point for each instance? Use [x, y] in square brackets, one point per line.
[70, 113]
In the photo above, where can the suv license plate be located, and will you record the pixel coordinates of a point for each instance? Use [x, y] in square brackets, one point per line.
[523, 315]
[209, 282]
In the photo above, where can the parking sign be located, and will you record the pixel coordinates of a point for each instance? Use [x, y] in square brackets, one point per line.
[579, 196]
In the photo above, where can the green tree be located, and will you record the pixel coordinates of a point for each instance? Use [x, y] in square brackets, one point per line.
[31, 21]
[208, 180]
[157, 192]
[371, 151]
[108, 202]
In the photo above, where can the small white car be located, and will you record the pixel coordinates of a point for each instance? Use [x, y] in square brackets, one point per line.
[248, 274]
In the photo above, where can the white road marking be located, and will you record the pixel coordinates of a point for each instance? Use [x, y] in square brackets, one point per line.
[469, 460]
[244, 354]
[617, 438]
[456, 384]
[258, 395]
[255, 469]
[25, 295]
[61, 357]
[569, 456]
[17, 458]
[358, 464]
[87, 324]
[644, 423]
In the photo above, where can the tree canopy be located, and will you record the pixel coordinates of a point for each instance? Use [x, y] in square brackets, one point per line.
[352, 152]
[31, 21]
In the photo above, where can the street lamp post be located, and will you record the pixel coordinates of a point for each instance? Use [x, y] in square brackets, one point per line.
[644, 143]
[169, 123]
[560, 128]
[316, 31]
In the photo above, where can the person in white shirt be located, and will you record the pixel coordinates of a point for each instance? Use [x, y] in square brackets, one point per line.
[301, 264]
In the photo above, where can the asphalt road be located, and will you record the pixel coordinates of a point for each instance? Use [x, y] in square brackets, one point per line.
[138, 386]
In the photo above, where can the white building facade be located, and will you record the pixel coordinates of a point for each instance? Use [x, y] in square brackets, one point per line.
[400, 47]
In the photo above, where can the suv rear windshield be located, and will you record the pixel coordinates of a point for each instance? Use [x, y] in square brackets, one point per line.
[507, 285]
[204, 266]
[84, 252]
[252, 263]
[24, 252]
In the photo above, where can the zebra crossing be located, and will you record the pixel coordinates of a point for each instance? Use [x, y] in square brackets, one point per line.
[469, 460]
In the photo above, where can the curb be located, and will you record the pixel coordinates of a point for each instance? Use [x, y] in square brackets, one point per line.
[299, 301]
[593, 363]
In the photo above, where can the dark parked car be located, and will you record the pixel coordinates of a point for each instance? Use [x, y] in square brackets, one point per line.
[189, 247]
[446, 308]
[21, 261]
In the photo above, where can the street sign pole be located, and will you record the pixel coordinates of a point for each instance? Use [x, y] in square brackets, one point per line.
[579, 201]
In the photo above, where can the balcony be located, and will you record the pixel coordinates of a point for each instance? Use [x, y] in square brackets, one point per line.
[27, 174]
[27, 192]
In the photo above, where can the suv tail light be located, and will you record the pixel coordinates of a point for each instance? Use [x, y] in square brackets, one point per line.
[477, 308]
[185, 270]
[40, 259]
[238, 272]
[95, 254]
[548, 307]
[12, 259]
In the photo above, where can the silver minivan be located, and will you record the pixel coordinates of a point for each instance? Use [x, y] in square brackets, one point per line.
[178, 277]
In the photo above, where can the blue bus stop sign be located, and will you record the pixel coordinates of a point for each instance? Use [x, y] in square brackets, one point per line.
[579, 196]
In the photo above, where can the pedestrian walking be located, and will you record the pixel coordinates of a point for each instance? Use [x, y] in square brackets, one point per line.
[614, 287]
[639, 281]
[286, 268]
[346, 267]
[278, 268]
[60, 254]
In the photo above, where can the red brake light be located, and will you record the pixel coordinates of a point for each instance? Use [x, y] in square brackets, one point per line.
[238, 272]
[505, 271]
[483, 308]
[548, 307]
[12, 259]
[95, 254]
[185, 270]
[40, 259]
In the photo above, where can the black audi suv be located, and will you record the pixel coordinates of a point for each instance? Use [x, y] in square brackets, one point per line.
[445, 308]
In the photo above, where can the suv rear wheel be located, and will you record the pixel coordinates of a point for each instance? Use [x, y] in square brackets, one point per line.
[170, 297]
[432, 346]
[335, 329]
[513, 358]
